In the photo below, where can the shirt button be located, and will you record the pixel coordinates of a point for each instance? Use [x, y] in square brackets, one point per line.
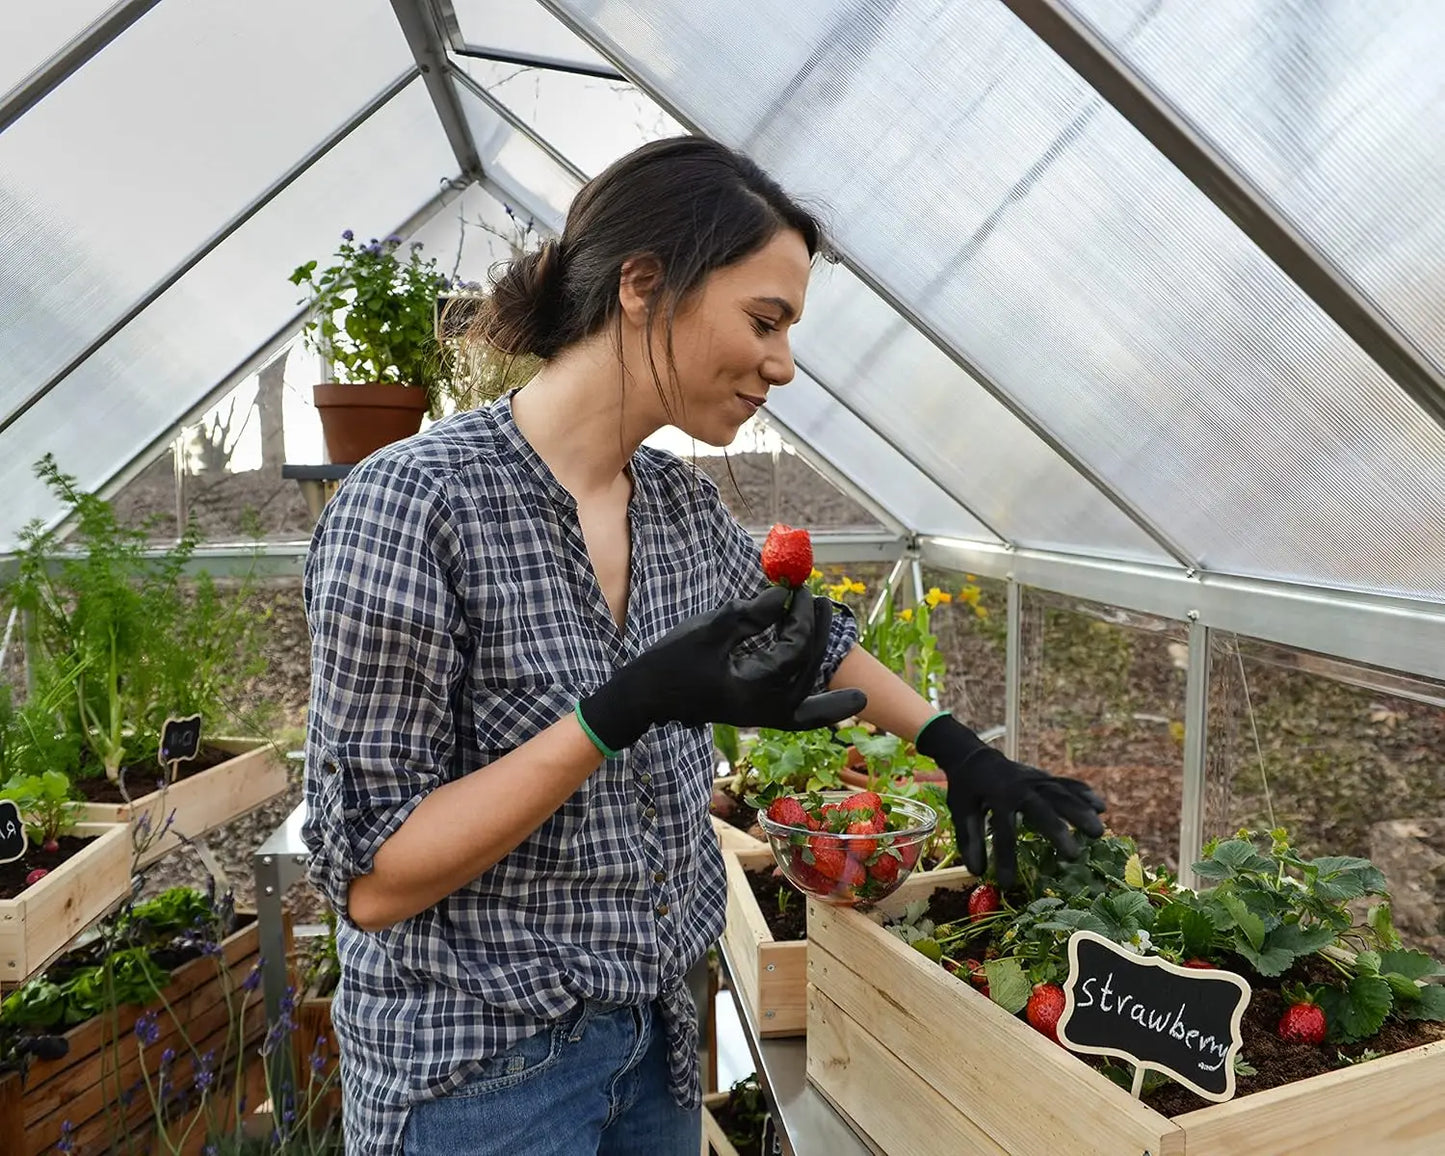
[646, 776]
[662, 908]
[659, 876]
[650, 813]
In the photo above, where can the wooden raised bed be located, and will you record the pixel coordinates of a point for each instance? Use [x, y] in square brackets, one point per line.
[205, 800]
[87, 1087]
[38, 923]
[772, 975]
[714, 1139]
[911, 1055]
[732, 838]
[315, 1040]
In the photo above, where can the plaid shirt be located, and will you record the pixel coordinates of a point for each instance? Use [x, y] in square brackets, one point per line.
[454, 614]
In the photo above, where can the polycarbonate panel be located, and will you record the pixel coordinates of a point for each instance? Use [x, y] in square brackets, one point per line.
[590, 121]
[139, 157]
[28, 42]
[515, 163]
[1332, 110]
[135, 386]
[522, 26]
[874, 466]
[923, 403]
[982, 182]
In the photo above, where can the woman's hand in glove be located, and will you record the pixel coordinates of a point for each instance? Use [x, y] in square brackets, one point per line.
[697, 673]
[982, 779]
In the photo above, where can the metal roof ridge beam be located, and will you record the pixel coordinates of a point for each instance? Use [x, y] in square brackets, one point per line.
[71, 57]
[1189, 151]
[472, 85]
[199, 254]
[535, 60]
[419, 24]
[1155, 533]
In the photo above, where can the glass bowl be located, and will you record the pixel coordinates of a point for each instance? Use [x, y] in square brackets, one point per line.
[847, 869]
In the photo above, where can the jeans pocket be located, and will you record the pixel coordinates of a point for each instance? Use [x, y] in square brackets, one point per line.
[520, 1063]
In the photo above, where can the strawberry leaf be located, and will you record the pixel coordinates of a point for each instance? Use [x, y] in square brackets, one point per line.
[1357, 1011]
[1404, 990]
[1431, 1005]
[1007, 985]
[1271, 961]
[930, 948]
[1134, 871]
[1410, 964]
[1197, 930]
[1299, 940]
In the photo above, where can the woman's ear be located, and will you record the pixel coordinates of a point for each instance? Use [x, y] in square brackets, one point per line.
[641, 278]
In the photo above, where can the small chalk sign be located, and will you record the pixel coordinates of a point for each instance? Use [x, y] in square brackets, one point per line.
[12, 832]
[1181, 1021]
[180, 739]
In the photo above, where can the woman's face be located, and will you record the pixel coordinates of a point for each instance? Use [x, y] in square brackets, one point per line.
[730, 339]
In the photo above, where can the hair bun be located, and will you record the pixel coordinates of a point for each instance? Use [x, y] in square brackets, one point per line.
[522, 314]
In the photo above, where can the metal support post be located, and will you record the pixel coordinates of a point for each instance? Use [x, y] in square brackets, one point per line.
[278, 863]
[1196, 748]
[1013, 674]
[882, 599]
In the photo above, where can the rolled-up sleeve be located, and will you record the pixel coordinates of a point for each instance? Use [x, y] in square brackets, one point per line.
[739, 568]
[387, 654]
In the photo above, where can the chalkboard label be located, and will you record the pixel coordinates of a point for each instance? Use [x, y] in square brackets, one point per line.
[1181, 1021]
[12, 832]
[180, 739]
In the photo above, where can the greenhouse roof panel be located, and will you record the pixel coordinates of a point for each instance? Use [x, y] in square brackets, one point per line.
[522, 28]
[45, 30]
[136, 386]
[982, 184]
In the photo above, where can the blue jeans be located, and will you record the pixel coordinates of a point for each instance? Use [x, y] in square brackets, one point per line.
[593, 1084]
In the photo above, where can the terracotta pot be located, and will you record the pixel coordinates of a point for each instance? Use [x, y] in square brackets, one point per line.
[859, 779]
[358, 420]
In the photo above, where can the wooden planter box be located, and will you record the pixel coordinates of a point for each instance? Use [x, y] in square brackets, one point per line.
[87, 1087]
[772, 975]
[911, 1055]
[315, 1039]
[37, 924]
[714, 1139]
[206, 800]
[732, 838]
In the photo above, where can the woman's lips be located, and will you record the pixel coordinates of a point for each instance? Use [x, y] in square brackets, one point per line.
[753, 402]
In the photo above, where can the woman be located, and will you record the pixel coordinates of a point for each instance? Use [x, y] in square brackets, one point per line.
[523, 622]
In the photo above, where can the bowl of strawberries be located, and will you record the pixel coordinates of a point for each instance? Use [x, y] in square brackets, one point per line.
[847, 847]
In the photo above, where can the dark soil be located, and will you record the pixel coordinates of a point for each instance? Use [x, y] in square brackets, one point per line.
[743, 817]
[1275, 1061]
[12, 875]
[143, 778]
[792, 922]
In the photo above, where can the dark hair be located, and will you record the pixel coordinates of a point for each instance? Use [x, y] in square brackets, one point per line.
[691, 203]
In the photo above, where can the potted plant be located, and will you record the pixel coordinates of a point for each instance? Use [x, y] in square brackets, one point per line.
[373, 318]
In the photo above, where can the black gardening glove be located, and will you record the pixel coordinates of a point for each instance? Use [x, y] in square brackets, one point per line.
[981, 779]
[696, 673]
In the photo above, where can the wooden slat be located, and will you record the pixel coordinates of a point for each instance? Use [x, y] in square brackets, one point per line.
[746, 930]
[880, 1095]
[1391, 1105]
[783, 988]
[714, 1139]
[204, 801]
[1021, 1089]
[732, 838]
[38, 923]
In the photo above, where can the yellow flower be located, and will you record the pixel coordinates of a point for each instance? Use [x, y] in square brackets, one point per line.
[970, 595]
[935, 596]
[981, 611]
[815, 575]
[1176, 730]
[855, 587]
[906, 614]
[969, 578]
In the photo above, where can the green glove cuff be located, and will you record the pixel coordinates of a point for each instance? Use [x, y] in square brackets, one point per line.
[607, 751]
[931, 720]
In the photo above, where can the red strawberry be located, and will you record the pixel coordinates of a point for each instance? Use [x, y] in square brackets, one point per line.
[863, 800]
[863, 848]
[828, 857]
[982, 901]
[1202, 964]
[976, 975]
[909, 851]
[808, 876]
[788, 811]
[787, 556]
[1302, 1023]
[854, 873]
[885, 869]
[1045, 1006]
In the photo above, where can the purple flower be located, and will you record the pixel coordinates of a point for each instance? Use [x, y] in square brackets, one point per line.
[205, 1071]
[348, 235]
[393, 240]
[253, 978]
[147, 1030]
[66, 1143]
[168, 1057]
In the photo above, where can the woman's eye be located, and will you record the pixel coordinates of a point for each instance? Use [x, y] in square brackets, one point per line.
[763, 327]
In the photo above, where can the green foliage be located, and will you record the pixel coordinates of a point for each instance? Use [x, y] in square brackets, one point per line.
[374, 315]
[119, 644]
[796, 761]
[44, 804]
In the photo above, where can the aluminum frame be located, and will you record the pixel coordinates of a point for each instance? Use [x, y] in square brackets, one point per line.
[71, 57]
[1196, 751]
[1156, 533]
[534, 60]
[1188, 150]
[1375, 629]
[199, 254]
[422, 29]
